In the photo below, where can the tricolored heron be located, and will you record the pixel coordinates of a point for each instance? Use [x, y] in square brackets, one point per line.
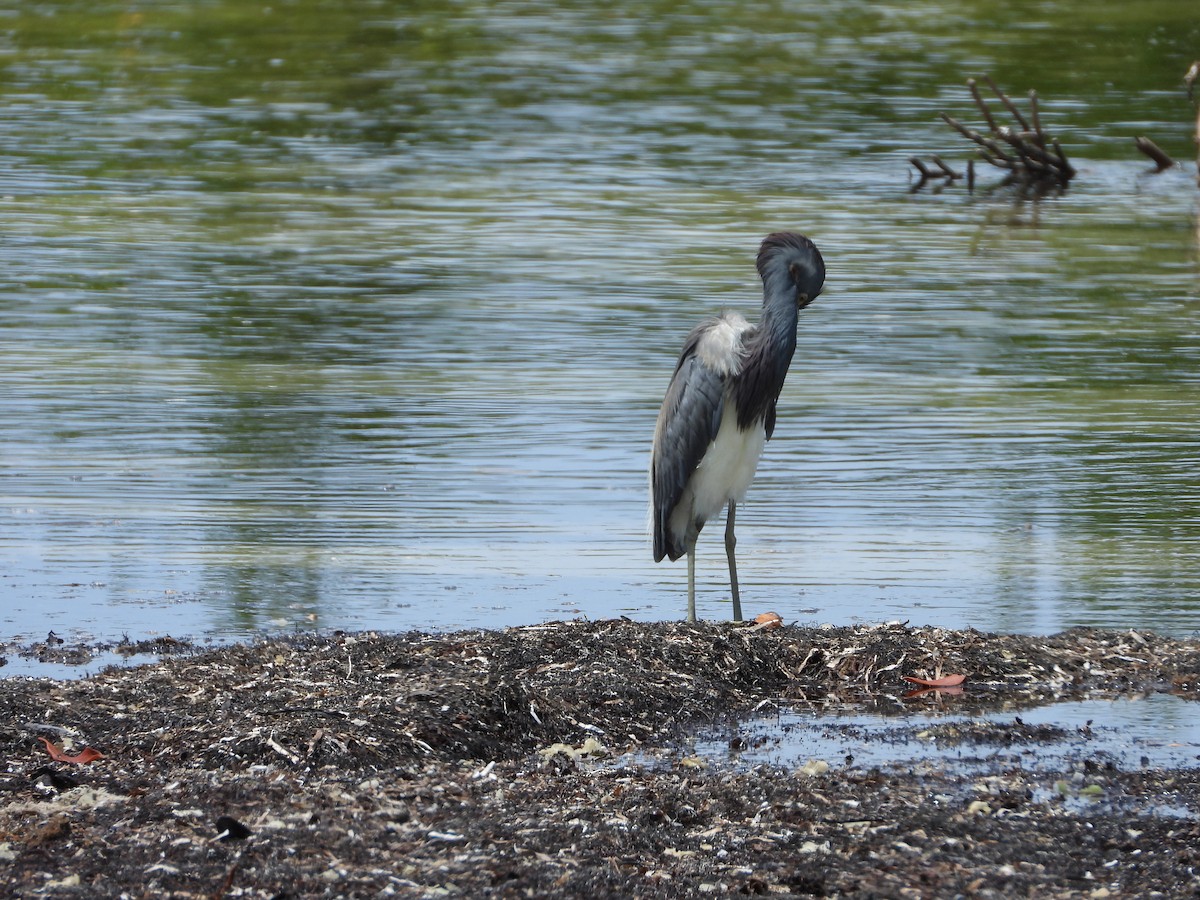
[719, 410]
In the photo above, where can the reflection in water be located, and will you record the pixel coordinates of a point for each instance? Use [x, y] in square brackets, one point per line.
[1132, 732]
[361, 320]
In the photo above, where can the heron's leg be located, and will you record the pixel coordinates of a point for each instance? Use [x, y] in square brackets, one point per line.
[691, 555]
[730, 543]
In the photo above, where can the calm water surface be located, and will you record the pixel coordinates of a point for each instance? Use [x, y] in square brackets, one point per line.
[358, 315]
[1133, 732]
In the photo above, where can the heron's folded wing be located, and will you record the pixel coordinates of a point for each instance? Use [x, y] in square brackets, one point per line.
[689, 419]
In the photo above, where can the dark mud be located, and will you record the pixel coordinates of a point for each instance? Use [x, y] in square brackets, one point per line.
[545, 762]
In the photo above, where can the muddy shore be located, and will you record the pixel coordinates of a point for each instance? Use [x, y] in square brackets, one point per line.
[551, 761]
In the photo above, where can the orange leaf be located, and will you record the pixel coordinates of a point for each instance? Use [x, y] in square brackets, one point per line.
[944, 681]
[768, 620]
[86, 755]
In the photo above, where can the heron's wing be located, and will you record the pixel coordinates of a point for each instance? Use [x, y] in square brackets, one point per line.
[689, 419]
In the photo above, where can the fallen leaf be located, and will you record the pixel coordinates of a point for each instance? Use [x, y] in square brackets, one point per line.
[768, 620]
[944, 681]
[86, 755]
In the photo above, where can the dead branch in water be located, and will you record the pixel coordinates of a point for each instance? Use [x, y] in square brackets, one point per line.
[1161, 160]
[927, 174]
[1032, 158]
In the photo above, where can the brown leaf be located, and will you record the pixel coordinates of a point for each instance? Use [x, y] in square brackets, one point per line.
[944, 681]
[86, 755]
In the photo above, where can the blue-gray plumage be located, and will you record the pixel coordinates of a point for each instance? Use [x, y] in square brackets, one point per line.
[719, 410]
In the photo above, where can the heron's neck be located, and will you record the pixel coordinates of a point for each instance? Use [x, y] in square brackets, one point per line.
[769, 351]
[778, 325]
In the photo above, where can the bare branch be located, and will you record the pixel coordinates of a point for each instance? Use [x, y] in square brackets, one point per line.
[991, 147]
[1156, 153]
[979, 101]
[1030, 155]
[1008, 104]
[946, 170]
[928, 174]
[1068, 169]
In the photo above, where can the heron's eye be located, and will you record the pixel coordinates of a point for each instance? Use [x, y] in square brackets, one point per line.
[801, 299]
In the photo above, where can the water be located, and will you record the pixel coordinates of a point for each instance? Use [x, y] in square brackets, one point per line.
[1130, 732]
[358, 315]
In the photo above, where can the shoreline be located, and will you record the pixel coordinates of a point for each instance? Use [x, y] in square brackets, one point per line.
[435, 765]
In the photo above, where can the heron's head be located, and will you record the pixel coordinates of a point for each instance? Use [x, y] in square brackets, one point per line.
[791, 263]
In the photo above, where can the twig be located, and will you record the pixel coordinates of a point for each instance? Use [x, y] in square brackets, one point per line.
[1162, 160]
[227, 885]
[927, 175]
[983, 107]
[1068, 169]
[1156, 153]
[945, 169]
[990, 149]
[282, 750]
[1008, 104]
[923, 170]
